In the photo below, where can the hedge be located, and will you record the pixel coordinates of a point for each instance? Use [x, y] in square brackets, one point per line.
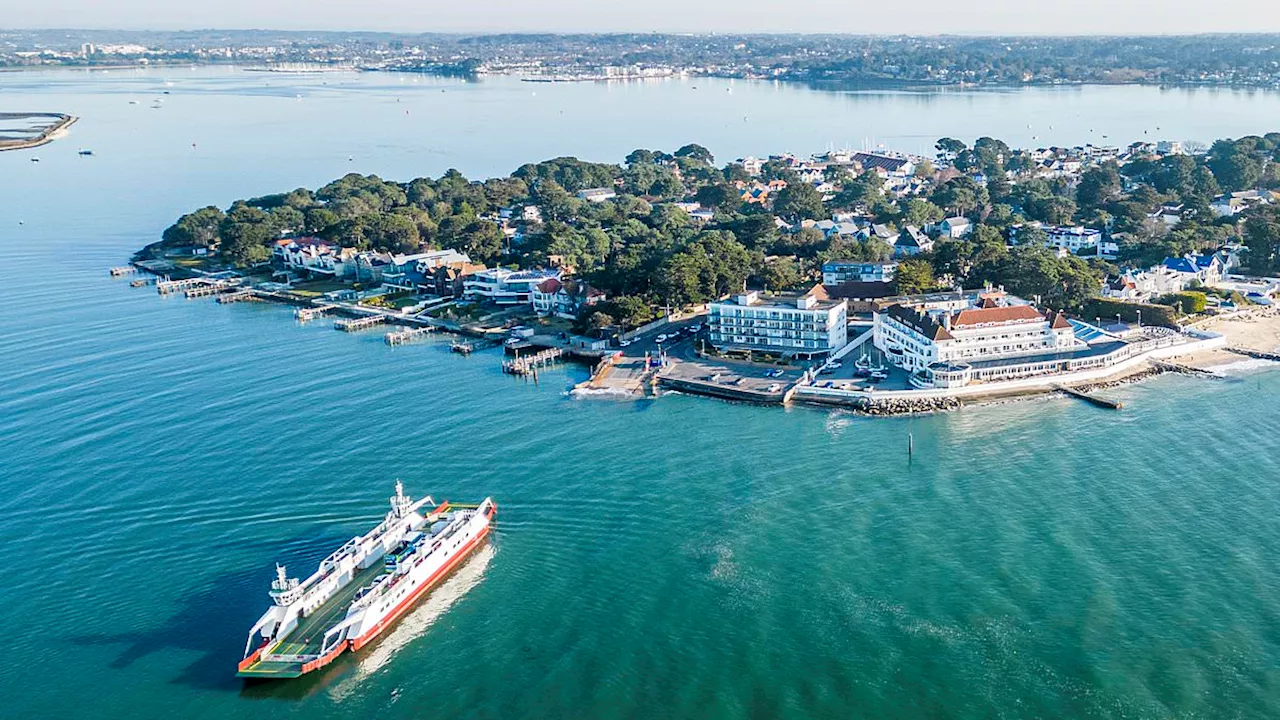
[1128, 311]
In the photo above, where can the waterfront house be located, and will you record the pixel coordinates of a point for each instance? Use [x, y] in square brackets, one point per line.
[564, 297]
[795, 325]
[307, 256]
[505, 287]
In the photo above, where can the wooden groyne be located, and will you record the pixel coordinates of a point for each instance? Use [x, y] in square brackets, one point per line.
[529, 363]
[305, 314]
[407, 335]
[1257, 354]
[359, 323]
[1091, 399]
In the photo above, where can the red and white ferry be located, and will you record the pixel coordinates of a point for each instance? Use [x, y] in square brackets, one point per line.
[363, 587]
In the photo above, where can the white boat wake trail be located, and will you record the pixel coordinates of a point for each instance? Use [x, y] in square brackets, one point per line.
[419, 620]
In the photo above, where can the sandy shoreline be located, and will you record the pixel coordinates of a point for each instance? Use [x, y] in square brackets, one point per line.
[1253, 329]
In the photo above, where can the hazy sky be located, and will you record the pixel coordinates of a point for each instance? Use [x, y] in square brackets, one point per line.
[1046, 17]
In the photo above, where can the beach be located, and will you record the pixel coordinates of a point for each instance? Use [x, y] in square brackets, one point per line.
[1256, 329]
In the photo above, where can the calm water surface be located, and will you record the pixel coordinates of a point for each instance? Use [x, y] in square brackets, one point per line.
[678, 558]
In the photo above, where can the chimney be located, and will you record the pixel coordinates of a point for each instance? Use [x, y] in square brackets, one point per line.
[946, 321]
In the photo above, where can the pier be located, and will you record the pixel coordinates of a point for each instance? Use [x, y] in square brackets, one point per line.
[1091, 399]
[407, 335]
[142, 282]
[123, 270]
[167, 286]
[237, 296]
[305, 314]
[206, 288]
[360, 323]
[529, 363]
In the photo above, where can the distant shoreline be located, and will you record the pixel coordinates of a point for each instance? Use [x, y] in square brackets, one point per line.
[48, 135]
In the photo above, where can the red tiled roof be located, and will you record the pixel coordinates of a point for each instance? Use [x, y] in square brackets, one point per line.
[550, 286]
[988, 316]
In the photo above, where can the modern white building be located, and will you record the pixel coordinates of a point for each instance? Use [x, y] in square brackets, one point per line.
[1072, 239]
[797, 325]
[598, 195]
[835, 272]
[505, 287]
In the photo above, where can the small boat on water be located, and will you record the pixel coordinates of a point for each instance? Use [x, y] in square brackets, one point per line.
[85, 151]
[462, 348]
[363, 587]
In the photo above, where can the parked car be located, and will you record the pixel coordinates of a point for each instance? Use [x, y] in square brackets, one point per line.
[835, 364]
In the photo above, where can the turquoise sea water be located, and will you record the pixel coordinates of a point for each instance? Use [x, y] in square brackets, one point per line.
[676, 558]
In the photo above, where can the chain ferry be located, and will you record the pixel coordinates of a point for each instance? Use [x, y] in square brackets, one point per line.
[363, 587]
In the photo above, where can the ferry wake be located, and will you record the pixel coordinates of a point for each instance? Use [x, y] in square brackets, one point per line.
[363, 587]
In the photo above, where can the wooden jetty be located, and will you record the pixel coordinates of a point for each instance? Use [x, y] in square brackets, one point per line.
[462, 348]
[1250, 352]
[360, 323]
[1091, 399]
[166, 286]
[305, 314]
[530, 363]
[237, 296]
[406, 335]
[123, 270]
[211, 288]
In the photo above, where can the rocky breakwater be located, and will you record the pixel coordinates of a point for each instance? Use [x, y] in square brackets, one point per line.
[909, 406]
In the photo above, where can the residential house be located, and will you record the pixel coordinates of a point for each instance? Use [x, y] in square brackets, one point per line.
[505, 287]
[911, 241]
[955, 227]
[886, 164]
[564, 297]
[597, 195]
[835, 272]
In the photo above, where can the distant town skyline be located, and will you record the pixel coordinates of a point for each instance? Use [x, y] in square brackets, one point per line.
[925, 17]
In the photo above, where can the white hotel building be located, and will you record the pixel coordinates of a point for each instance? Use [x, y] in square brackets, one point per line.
[805, 325]
[991, 340]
